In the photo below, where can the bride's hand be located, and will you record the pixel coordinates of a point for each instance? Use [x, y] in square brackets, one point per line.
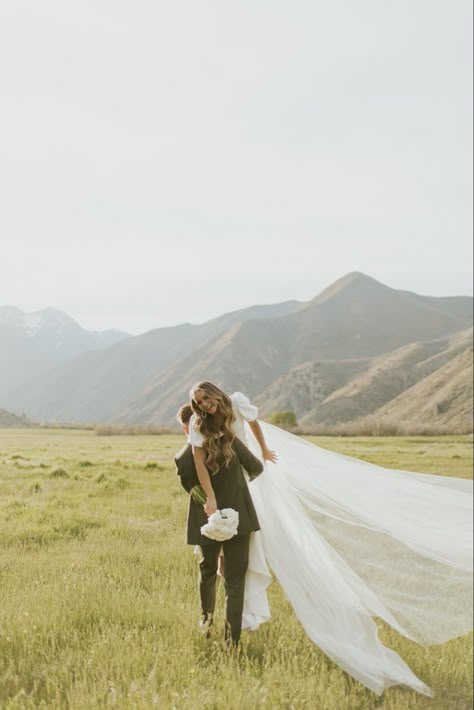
[210, 506]
[269, 455]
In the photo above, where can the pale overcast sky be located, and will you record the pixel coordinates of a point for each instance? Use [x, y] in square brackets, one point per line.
[164, 162]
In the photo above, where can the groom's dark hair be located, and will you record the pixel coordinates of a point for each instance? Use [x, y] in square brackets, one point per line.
[184, 414]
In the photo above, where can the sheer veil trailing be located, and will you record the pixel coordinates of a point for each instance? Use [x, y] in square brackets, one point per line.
[350, 541]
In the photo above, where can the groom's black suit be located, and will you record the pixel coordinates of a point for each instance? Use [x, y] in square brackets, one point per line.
[231, 491]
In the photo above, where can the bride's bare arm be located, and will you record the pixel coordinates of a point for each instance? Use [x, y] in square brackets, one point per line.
[210, 505]
[258, 433]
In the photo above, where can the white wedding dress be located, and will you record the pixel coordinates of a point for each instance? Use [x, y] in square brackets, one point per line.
[350, 541]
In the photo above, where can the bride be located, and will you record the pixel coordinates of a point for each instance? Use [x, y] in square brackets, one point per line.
[350, 542]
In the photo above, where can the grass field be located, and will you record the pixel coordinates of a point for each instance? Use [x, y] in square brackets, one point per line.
[98, 596]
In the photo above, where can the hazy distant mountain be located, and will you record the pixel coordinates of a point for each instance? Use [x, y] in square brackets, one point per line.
[32, 342]
[353, 349]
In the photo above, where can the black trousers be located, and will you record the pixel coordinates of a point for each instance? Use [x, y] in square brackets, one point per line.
[236, 560]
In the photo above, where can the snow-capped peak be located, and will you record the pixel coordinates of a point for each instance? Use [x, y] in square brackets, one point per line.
[10, 314]
[56, 330]
[31, 324]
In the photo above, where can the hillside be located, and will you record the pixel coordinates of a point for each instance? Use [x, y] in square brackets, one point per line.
[307, 385]
[386, 378]
[444, 397]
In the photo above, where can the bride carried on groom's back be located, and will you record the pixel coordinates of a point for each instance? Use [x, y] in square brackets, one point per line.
[212, 421]
[347, 540]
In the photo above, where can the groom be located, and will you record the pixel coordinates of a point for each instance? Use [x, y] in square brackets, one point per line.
[231, 491]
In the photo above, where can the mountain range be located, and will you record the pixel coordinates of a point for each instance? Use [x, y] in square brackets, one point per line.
[31, 343]
[358, 348]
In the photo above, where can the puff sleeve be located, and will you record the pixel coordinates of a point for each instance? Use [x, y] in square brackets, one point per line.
[195, 438]
[248, 410]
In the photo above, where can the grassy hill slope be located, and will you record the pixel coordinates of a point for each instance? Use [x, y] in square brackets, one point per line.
[387, 377]
[444, 397]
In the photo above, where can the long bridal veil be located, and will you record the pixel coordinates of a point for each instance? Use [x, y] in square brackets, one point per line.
[350, 541]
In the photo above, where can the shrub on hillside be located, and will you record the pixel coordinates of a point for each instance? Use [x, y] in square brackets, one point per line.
[285, 419]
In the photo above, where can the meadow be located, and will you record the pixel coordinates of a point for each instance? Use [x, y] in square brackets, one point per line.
[98, 593]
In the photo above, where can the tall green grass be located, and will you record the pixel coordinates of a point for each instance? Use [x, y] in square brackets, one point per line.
[98, 594]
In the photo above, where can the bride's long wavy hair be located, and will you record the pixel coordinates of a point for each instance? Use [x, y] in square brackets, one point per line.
[215, 428]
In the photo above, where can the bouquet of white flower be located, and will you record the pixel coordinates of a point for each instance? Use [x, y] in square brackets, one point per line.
[221, 525]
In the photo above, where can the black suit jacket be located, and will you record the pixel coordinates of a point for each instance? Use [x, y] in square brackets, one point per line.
[185, 468]
[230, 488]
